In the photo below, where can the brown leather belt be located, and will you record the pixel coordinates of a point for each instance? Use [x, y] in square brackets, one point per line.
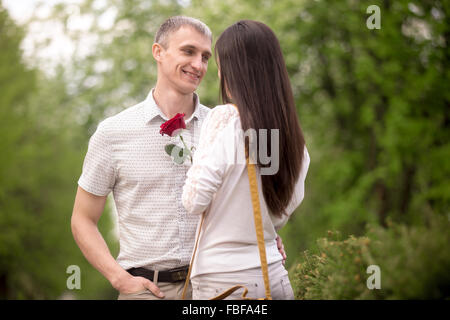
[173, 275]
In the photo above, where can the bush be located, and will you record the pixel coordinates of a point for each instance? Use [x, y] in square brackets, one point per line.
[414, 262]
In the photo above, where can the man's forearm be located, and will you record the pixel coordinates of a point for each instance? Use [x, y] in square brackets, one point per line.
[93, 246]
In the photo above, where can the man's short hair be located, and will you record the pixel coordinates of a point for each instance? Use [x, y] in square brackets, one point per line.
[174, 23]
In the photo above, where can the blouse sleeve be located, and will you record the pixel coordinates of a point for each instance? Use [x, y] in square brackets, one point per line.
[297, 196]
[208, 169]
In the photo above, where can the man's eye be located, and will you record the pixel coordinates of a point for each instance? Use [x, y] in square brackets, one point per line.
[205, 58]
[189, 52]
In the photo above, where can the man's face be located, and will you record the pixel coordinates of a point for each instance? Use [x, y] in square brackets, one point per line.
[183, 64]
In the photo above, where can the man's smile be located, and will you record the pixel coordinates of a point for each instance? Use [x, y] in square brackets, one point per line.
[192, 75]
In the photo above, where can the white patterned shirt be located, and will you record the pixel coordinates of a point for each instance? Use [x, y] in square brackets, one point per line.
[126, 156]
[218, 183]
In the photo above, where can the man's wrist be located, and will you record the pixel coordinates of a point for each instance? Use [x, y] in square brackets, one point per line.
[117, 278]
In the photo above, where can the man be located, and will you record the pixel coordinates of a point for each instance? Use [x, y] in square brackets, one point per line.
[126, 156]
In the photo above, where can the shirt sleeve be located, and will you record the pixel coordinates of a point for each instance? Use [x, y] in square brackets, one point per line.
[98, 174]
[297, 196]
[208, 169]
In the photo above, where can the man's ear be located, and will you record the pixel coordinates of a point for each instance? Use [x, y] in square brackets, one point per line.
[157, 51]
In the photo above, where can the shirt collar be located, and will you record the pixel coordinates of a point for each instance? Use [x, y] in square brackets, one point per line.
[151, 109]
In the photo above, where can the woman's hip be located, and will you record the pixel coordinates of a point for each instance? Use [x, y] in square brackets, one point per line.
[207, 286]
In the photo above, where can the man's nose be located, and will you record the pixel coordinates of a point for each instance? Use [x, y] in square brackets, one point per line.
[197, 62]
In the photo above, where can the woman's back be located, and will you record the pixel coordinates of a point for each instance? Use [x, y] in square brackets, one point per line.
[258, 102]
[218, 183]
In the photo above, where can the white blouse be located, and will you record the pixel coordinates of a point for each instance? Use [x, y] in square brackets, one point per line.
[218, 183]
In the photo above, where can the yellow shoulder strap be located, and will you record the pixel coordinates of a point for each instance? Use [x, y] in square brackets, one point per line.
[259, 226]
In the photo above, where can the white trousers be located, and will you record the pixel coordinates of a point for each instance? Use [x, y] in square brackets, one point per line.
[207, 286]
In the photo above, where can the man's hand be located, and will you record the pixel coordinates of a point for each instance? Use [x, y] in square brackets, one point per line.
[129, 284]
[86, 212]
[281, 248]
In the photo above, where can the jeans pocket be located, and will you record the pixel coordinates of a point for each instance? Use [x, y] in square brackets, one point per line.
[205, 292]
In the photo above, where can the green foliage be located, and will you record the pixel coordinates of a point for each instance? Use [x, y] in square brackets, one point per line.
[414, 263]
[374, 105]
[118, 70]
[40, 160]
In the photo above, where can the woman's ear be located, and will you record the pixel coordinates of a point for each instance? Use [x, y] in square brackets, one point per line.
[157, 51]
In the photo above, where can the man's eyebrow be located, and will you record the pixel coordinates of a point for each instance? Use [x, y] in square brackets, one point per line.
[192, 47]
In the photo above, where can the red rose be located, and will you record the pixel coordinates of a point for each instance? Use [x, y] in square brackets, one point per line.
[172, 126]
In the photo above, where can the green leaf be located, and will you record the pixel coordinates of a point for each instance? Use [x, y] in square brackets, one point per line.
[168, 148]
[179, 155]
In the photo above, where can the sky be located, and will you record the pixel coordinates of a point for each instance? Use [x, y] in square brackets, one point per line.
[58, 48]
[21, 10]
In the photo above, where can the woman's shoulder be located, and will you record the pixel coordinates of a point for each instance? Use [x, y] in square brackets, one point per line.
[222, 115]
[224, 110]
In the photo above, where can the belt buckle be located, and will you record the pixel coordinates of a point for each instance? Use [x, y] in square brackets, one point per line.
[179, 275]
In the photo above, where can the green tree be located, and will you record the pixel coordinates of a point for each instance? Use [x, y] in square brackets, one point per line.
[118, 70]
[40, 161]
[374, 104]
[17, 84]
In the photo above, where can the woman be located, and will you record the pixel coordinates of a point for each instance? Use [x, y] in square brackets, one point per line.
[257, 95]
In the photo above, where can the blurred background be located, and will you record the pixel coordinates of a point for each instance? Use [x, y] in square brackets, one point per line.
[373, 104]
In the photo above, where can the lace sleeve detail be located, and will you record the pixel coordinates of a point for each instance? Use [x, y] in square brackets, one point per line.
[219, 118]
[205, 170]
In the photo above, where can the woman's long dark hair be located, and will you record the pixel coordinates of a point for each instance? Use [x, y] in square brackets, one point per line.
[253, 76]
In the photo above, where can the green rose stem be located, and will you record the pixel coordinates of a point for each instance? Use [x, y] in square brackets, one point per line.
[186, 148]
